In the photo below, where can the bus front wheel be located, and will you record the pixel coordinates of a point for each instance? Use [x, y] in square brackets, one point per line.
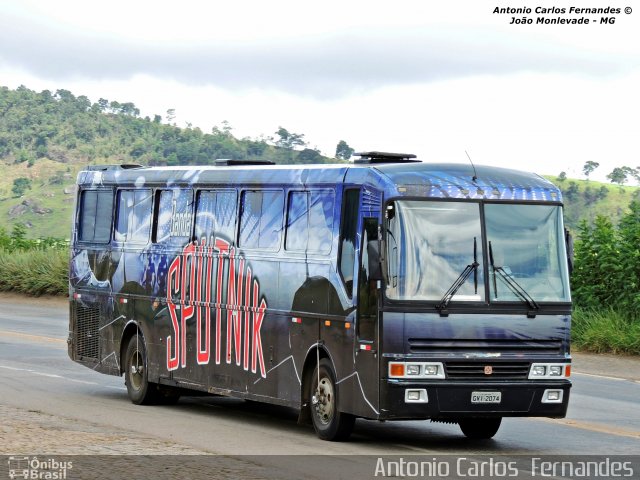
[140, 391]
[328, 422]
[480, 428]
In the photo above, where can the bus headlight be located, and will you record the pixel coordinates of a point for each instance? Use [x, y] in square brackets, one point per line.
[555, 370]
[416, 370]
[431, 370]
[538, 371]
[548, 371]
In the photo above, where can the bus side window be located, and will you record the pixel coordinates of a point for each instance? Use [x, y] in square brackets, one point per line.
[367, 282]
[261, 219]
[215, 215]
[297, 237]
[310, 221]
[321, 220]
[96, 216]
[348, 229]
[134, 214]
[162, 224]
[173, 216]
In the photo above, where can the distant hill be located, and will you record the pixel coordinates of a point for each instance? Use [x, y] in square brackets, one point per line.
[46, 138]
[586, 199]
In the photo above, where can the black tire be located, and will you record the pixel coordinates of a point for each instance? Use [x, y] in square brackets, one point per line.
[480, 428]
[140, 390]
[328, 421]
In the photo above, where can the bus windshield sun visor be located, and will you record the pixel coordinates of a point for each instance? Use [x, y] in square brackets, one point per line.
[513, 285]
[453, 289]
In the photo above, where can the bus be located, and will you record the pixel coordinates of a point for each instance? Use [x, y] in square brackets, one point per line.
[384, 289]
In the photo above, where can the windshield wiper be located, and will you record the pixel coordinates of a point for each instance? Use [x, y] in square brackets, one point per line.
[473, 267]
[514, 286]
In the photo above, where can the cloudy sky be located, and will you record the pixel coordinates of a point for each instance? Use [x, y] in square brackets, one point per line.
[418, 76]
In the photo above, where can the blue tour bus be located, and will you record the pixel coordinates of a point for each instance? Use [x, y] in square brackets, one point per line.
[384, 289]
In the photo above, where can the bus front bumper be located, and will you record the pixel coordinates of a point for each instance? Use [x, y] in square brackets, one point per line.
[448, 400]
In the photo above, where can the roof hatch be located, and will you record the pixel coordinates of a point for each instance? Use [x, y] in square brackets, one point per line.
[385, 157]
[222, 162]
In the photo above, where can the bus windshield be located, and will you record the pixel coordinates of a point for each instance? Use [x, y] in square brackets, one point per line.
[527, 246]
[433, 245]
[430, 244]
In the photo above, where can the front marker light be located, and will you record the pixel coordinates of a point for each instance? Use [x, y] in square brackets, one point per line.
[538, 371]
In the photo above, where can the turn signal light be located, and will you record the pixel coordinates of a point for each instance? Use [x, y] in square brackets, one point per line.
[396, 370]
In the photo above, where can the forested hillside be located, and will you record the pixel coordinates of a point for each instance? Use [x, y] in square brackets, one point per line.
[587, 199]
[45, 138]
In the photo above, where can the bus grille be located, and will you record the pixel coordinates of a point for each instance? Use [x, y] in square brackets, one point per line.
[87, 338]
[505, 347]
[487, 370]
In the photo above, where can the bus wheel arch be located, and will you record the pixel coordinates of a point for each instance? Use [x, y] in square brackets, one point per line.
[328, 421]
[134, 364]
[304, 417]
[151, 392]
[131, 329]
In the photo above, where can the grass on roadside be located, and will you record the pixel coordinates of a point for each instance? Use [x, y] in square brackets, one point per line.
[35, 272]
[605, 331]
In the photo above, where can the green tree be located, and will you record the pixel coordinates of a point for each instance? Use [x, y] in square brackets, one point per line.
[19, 237]
[629, 259]
[590, 195]
[343, 150]
[309, 155]
[618, 175]
[289, 140]
[603, 192]
[562, 177]
[171, 116]
[572, 192]
[589, 167]
[20, 185]
[597, 270]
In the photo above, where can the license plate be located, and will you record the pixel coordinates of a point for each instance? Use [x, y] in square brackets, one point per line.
[486, 397]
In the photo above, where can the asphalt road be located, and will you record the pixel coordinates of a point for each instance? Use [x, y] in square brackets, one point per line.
[37, 376]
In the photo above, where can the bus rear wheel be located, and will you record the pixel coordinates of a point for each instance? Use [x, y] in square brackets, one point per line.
[328, 422]
[480, 428]
[140, 390]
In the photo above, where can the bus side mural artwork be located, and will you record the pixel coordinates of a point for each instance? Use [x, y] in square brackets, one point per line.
[191, 275]
[385, 289]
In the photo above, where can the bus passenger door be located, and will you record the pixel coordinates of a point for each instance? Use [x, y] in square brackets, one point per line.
[367, 295]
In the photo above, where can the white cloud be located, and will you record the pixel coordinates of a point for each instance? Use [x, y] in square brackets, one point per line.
[417, 76]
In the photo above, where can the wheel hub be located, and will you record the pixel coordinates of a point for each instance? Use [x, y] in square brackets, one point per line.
[137, 371]
[324, 400]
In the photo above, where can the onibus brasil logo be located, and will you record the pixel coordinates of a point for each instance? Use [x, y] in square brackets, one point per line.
[37, 469]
